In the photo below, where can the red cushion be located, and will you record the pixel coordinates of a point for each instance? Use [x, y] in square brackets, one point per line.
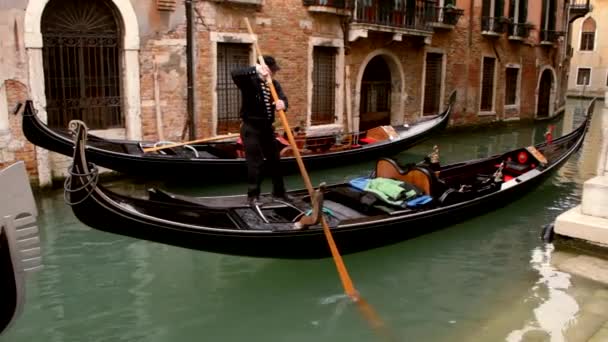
[368, 140]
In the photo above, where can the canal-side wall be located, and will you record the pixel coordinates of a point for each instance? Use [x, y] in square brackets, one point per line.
[589, 221]
[153, 63]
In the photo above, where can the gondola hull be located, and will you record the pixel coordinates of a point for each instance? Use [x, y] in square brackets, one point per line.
[19, 240]
[230, 229]
[310, 244]
[128, 157]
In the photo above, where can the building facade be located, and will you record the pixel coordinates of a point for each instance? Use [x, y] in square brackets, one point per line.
[121, 65]
[589, 69]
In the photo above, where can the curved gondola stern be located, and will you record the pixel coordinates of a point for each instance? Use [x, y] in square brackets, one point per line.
[451, 103]
[83, 176]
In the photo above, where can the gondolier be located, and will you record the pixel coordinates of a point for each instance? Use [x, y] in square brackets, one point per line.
[257, 132]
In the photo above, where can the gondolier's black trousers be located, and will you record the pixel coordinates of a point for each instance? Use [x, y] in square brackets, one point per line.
[260, 144]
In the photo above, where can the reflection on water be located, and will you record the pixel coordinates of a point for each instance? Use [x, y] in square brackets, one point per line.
[556, 309]
[486, 279]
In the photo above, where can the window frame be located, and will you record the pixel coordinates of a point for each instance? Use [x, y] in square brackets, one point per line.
[492, 110]
[338, 44]
[224, 37]
[443, 71]
[578, 71]
[589, 42]
[517, 86]
[331, 119]
[229, 87]
[549, 18]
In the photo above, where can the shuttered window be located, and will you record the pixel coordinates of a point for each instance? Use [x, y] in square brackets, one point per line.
[487, 84]
[323, 85]
[229, 57]
[583, 76]
[511, 81]
[432, 83]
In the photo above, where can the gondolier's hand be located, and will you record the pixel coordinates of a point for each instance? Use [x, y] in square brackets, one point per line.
[262, 70]
[279, 105]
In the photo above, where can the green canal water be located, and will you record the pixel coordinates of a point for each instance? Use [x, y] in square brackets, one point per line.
[487, 279]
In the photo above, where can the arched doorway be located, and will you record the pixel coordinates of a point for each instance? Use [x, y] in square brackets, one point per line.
[543, 109]
[82, 66]
[375, 101]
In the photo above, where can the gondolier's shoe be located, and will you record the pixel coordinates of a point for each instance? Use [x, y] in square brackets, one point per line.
[283, 198]
[253, 201]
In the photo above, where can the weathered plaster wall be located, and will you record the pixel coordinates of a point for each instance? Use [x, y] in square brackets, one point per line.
[596, 59]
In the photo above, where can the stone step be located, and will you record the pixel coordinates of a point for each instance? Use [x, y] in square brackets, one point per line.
[574, 223]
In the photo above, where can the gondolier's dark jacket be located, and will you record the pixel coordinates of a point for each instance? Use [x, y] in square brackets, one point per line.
[257, 104]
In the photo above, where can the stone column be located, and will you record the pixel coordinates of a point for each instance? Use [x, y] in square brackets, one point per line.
[589, 221]
[132, 94]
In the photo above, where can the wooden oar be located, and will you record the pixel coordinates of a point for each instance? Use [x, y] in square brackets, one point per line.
[219, 137]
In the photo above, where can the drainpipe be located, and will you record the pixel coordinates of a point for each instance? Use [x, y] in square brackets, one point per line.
[563, 86]
[190, 48]
[470, 42]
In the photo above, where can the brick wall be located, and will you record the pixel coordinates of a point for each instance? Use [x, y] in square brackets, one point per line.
[284, 29]
[164, 58]
[23, 150]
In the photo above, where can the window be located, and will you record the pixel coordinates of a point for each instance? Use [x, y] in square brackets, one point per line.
[518, 11]
[588, 35]
[491, 13]
[487, 84]
[548, 21]
[82, 64]
[511, 83]
[583, 77]
[432, 83]
[229, 57]
[324, 86]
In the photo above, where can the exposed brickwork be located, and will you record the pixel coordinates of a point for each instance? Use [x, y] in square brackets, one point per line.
[16, 92]
[165, 58]
[284, 29]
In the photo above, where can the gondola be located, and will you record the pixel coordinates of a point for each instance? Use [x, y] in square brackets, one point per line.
[226, 159]
[19, 242]
[228, 225]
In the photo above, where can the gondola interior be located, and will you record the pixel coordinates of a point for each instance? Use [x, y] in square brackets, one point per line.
[345, 203]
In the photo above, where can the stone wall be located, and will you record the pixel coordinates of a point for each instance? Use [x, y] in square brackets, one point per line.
[285, 29]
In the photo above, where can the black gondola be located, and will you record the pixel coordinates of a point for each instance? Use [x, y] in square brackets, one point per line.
[225, 158]
[228, 225]
[19, 240]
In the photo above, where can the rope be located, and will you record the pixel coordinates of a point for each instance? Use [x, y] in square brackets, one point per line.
[92, 179]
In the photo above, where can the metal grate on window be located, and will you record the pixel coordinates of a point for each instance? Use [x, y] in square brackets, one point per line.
[583, 76]
[323, 85]
[81, 60]
[511, 77]
[487, 84]
[432, 83]
[230, 56]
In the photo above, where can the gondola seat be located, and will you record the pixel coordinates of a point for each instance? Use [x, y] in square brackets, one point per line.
[420, 176]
